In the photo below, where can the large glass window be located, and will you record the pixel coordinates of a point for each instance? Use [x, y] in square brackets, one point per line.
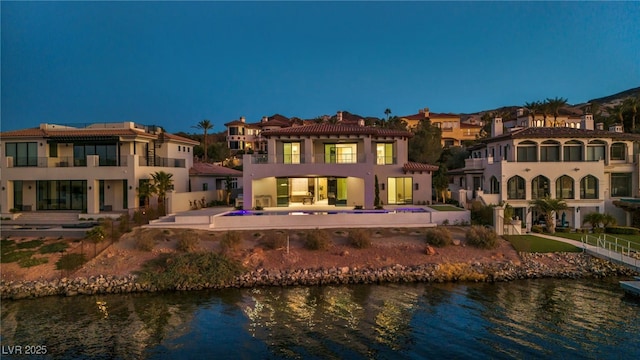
[595, 150]
[550, 151]
[620, 184]
[564, 187]
[540, 187]
[291, 153]
[340, 153]
[107, 154]
[589, 187]
[61, 195]
[384, 154]
[400, 190]
[494, 185]
[573, 151]
[618, 151]
[23, 153]
[527, 152]
[516, 188]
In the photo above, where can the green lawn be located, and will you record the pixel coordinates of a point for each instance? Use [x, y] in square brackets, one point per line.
[532, 243]
[445, 208]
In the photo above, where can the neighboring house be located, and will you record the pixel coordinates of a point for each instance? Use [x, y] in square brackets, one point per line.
[210, 177]
[589, 169]
[243, 136]
[454, 131]
[90, 169]
[334, 164]
[524, 119]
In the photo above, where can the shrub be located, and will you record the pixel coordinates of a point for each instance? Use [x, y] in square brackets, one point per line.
[16, 256]
[124, 223]
[167, 272]
[231, 241]
[481, 237]
[70, 262]
[439, 237]
[276, 240]
[53, 248]
[317, 240]
[536, 229]
[359, 238]
[189, 242]
[624, 230]
[29, 244]
[145, 243]
[481, 214]
[29, 262]
[563, 229]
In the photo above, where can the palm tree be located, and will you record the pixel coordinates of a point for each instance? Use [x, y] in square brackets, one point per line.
[533, 108]
[204, 125]
[594, 218]
[555, 105]
[545, 110]
[617, 112]
[387, 112]
[548, 207]
[163, 182]
[632, 105]
[146, 190]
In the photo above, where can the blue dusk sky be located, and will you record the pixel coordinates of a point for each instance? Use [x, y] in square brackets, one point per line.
[174, 64]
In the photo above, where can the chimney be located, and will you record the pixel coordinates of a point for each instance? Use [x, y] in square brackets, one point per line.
[587, 122]
[616, 128]
[361, 122]
[600, 126]
[425, 111]
[520, 112]
[264, 119]
[339, 116]
[496, 127]
[241, 118]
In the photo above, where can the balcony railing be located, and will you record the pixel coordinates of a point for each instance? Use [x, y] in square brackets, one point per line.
[162, 162]
[63, 161]
[302, 159]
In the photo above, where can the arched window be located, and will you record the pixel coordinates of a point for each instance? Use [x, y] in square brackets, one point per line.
[515, 188]
[618, 151]
[527, 151]
[539, 187]
[550, 151]
[564, 187]
[572, 151]
[494, 185]
[589, 187]
[595, 150]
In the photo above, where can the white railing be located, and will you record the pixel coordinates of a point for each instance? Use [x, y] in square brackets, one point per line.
[624, 251]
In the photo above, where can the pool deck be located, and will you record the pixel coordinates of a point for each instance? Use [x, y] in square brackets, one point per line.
[210, 219]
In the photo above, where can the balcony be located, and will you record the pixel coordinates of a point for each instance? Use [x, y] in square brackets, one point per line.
[162, 162]
[314, 159]
[57, 162]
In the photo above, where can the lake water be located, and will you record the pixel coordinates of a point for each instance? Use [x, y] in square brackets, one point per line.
[591, 319]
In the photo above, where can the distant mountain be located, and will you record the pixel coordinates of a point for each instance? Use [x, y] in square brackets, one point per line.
[617, 98]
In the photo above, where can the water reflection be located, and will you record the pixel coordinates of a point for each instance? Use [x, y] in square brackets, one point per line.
[528, 319]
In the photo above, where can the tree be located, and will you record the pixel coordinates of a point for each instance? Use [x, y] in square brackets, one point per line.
[548, 207]
[545, 110]
[617, 113]
[387, 112]
[205, 126]
[228, 185]
[632, 105]
[533, 108]
[441, 182]
[95, 236]
[425, 146]
[163, 182]
[594, 218]
[395, 123]
[555, 105]
[146, 190]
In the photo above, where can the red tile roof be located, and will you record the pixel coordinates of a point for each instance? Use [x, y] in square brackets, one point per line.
[336, 129]
[89, 133]
[414, 166]
[180, 139]
[207, 169]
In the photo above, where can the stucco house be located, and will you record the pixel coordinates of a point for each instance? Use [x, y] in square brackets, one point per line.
[454, 131]
[588, 168]
[334, 165]
[90, 169]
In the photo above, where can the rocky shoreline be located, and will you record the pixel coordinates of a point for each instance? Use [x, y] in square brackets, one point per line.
[532, 266]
